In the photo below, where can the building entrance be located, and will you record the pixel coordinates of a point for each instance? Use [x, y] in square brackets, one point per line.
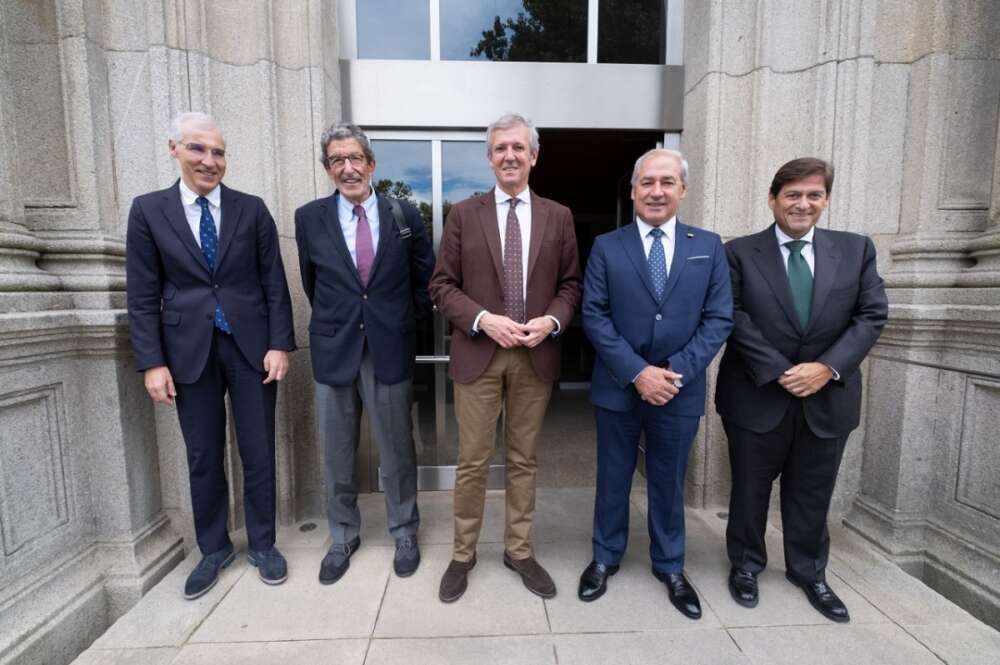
[586, 170]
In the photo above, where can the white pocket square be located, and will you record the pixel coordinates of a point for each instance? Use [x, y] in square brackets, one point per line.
[695, 258]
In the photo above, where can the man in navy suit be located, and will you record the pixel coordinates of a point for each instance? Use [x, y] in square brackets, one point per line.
[209, 314]
[657, 307]
[809, 305]
[365, 261]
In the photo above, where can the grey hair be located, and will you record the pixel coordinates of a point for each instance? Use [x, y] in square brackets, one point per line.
[194, 117]
[340, 131]
[508, 120]
[661, 151]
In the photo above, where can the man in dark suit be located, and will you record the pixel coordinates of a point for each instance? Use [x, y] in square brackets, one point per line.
[657, 308]
[809, 305]
[508, 279]
[365, 271]
[209, 313]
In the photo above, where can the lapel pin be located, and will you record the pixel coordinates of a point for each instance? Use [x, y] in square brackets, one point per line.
[690, 235]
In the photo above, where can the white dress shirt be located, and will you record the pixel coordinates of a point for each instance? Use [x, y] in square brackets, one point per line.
[807, 250]
[669, 233]
[349, 223]
[192, 211]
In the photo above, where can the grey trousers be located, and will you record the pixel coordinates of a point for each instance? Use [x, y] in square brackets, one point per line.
[338, 412]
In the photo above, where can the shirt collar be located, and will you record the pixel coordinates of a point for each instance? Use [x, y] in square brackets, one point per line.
[784, 237]
[668, 228]
[524, 196]
[347, 208]
[189, 197]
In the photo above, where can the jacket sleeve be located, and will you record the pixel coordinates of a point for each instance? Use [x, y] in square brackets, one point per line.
[567, 295]
[421, 263]
[144, 287]
[271, 272]
[446, 282]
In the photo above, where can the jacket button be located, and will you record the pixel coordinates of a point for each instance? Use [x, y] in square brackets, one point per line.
[362, 326]
[215, 286]
[364, 296]
[659, 317]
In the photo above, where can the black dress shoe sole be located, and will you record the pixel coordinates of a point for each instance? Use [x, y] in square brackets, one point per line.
[601, 590]
[816, 606]
[225, 564]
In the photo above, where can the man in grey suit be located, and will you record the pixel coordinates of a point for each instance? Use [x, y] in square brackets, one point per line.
[808, 305]
[365, 261]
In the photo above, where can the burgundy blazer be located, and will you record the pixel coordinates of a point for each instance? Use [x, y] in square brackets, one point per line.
[468, 278]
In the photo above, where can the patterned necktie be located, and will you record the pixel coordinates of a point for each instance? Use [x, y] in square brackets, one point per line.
[658, 262]
[800, 278]
[210, 247]
[363, 249]
[513, 287]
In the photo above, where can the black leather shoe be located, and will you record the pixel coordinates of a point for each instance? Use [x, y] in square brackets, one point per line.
[823, 599]
[594, 581]
[682, 594]
[336, 561]
[206, 573]
[743, 587]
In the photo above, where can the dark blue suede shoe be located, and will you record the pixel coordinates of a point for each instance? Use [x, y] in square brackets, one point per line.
[206, 573]
[407, 556]
[271, 565]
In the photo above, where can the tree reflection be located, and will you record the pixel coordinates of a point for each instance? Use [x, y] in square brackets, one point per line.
[546, 31]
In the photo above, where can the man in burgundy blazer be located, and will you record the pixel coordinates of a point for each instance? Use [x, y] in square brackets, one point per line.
[508, 280]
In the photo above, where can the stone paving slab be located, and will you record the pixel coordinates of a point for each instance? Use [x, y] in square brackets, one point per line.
[372, 617]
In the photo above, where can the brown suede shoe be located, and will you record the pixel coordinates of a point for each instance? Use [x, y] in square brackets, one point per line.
[455, 579]
[532, 574]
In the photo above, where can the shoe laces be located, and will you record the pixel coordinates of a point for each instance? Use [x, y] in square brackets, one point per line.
[406, 543]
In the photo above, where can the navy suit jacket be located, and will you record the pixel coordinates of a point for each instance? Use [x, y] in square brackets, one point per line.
[344, 312]
[631, 328]
[849, 310]
[172, 294]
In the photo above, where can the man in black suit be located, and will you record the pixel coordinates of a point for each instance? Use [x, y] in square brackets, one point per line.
[365, 261]
[808, 306]
[209, 313]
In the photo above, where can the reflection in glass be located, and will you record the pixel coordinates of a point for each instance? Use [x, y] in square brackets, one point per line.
[394, 29]
[465, 171]
[514, 30]
[403, 171]
[631, 32]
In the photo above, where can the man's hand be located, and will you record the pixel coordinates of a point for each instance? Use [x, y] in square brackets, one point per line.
[504, 331]
[805, 379]
[656, 385]
[160, 385]
[276, 365]
[536, 330]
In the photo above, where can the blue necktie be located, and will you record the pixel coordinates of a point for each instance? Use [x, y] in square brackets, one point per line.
[210, 247]
[658, 263]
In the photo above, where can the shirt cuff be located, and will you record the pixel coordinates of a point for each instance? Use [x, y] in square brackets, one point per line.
[555, 333]
[836, 374]
[475, 324]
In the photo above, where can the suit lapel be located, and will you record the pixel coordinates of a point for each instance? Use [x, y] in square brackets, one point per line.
[682, 249]
[539, 227]
[331, 217]
[386, 226]
[767, 257]
[632, 244]
[232, 213]
[826, 261]
[173, 211]
[491, 229]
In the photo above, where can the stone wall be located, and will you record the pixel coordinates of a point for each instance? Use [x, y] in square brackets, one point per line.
[904, 98]
[94, 505]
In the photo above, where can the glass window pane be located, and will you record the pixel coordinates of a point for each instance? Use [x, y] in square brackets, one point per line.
[394, 29]
[514, 30]
[631, 31]
[403, 171]
[465, 171]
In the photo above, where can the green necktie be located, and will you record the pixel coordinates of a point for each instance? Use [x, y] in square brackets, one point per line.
[800, 278]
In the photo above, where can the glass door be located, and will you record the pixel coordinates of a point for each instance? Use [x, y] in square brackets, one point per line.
[432, 170]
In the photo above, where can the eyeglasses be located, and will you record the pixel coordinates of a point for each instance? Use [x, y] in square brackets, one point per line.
[337, 161]
[201, 150]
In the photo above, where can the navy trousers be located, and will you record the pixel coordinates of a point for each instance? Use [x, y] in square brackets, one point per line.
[668, 441]
[201, 408]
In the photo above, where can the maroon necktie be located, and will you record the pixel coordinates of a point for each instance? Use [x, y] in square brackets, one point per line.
[513, 288]
[363, 249]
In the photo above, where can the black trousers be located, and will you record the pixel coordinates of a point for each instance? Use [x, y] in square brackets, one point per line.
[808, 468]
[201, 408]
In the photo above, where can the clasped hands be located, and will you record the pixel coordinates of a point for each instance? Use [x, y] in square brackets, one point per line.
[160, 383]
[509, 333]
[657, 385]
[805, 379]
